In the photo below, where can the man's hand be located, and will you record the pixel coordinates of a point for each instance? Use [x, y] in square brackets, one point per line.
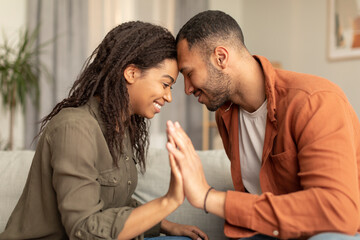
[176, 189]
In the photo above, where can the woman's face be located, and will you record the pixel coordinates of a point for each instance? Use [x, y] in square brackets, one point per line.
[149, 90]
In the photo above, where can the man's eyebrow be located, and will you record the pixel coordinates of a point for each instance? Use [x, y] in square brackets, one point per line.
[182, 69]
[171, 78]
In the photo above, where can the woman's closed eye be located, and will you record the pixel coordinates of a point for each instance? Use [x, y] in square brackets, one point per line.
[166, 85]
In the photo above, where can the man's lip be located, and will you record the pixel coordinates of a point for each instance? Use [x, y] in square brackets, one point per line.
[197, 93]
[199, 97]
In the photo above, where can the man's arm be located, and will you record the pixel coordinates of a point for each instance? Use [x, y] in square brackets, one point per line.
[195, 184]
[324, 131]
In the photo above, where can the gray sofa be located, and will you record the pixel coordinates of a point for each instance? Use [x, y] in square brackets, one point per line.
[14, 167]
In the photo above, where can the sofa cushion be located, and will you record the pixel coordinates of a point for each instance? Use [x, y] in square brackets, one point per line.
[155, 182]
[14, 168]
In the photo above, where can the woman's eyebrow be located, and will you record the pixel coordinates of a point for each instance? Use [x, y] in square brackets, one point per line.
[168, 76]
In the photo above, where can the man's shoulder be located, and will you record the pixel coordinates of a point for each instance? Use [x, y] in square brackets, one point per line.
[296, 82]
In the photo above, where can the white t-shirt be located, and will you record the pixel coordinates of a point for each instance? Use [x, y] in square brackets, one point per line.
[251, 144]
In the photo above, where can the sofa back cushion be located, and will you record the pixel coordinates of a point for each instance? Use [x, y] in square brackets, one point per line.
[15, 165]
[155, 183]
[14, 169]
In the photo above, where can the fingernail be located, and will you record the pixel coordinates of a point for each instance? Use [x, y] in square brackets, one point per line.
[178, 125]
[198, 238]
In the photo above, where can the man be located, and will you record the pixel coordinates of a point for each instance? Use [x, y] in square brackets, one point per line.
[293, 140]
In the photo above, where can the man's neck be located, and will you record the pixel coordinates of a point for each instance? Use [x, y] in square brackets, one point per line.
[249, 85]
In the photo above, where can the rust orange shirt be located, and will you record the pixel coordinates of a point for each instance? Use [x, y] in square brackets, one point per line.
[310, 163]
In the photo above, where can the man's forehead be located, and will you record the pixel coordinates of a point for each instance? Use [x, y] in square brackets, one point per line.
[184, 53]
[183, 46]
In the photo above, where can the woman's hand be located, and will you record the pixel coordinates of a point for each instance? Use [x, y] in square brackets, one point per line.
[176, 188]
[189, 163]
[175, 229]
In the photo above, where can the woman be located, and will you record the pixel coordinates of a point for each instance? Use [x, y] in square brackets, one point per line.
[84, 170]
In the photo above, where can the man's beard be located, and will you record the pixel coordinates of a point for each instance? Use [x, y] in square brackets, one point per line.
[217, 88]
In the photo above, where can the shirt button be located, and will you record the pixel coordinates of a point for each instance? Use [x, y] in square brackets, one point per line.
[129, 182]
[78, 233]
[127, 158]
[276, 232]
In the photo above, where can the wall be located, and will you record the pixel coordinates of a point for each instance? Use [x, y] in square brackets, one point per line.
[295, 34]
[12, 18]
[171, 14]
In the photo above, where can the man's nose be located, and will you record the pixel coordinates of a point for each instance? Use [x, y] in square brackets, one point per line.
[189, 89]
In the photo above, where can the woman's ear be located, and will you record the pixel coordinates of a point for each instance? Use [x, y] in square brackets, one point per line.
[131, 73]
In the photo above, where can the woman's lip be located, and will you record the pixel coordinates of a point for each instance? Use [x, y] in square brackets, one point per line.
[157, 107]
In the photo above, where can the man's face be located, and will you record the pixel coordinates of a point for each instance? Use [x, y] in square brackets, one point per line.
[202, 79]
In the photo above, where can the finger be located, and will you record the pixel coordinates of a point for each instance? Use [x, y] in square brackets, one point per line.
[192, 235]
[189, 150]
[171, 141]
[171, 134]
[185, 158]
[180, 139]
[200, 233]
[174, 131]
[183, 140]
[175, 170]
[184, 136]
[173, 163]
[177, 154]
[180, 160]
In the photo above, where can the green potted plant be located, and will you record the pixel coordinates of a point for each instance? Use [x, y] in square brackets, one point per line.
[19, 71]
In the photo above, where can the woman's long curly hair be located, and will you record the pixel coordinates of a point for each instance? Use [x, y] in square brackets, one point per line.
[143, 44]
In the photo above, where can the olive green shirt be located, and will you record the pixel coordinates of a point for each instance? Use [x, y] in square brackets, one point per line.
[73, 190]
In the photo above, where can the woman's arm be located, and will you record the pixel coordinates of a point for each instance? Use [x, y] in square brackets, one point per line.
[146, 216]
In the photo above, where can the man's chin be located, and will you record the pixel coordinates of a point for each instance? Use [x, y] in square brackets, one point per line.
[211, 108]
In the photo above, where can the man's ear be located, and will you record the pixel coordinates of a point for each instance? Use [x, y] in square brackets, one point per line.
[221, 56]
[131, 73]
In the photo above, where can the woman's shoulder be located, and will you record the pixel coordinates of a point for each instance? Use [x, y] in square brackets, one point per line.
[78, 117]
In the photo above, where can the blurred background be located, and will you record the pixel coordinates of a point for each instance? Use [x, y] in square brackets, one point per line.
[315, 37]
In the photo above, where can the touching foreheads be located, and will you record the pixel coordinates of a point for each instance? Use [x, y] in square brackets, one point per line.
[211, 28]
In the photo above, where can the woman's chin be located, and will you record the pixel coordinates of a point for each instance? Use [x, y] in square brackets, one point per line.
[149, 116]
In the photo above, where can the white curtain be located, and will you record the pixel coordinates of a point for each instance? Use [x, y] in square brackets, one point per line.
[65, 24]
[77, 27]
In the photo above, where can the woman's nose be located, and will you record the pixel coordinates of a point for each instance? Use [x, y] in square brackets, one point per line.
[167, 95]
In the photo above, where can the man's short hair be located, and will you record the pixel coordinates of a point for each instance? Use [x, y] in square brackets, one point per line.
[210, 27]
